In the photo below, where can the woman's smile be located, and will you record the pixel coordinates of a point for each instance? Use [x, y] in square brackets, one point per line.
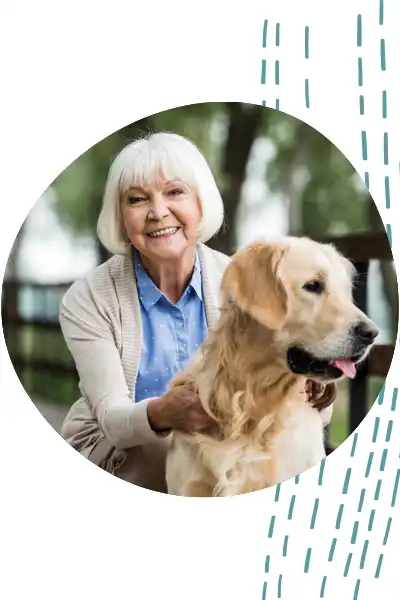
[163, 233]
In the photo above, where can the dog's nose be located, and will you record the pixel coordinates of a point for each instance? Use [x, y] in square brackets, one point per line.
[366, 331]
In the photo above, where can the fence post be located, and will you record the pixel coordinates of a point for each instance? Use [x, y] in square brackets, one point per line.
[10, 314]
[358, 387]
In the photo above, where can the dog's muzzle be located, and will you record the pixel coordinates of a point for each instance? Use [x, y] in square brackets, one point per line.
[303, 362]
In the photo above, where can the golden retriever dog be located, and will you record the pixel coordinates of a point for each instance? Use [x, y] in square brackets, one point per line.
[287, 315]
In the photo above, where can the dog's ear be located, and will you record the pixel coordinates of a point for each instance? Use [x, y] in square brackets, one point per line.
[253, 281]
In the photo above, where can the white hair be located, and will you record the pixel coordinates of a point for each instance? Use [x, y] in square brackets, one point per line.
[138, 164]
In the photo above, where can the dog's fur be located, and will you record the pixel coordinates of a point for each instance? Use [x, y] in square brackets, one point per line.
[266, 431]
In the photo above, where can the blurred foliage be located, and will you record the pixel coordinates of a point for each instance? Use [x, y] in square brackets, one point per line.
[332, 197]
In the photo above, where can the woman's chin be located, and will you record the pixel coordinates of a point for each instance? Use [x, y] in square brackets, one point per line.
[168, 248]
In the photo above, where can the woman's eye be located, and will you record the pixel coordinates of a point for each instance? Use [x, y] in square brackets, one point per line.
[175, 192]
[136, 199]
[314, 287]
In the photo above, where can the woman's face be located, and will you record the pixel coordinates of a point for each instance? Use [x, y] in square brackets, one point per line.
[161, 218]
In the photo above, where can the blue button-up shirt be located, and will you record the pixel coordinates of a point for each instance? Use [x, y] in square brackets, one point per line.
[171, 332]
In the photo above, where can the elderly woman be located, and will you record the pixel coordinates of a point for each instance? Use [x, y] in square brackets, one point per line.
[136, 320]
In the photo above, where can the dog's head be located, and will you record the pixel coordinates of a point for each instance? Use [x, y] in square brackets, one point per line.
[301, 291]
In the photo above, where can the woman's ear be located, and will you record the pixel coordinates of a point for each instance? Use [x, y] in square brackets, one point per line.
[253, 282]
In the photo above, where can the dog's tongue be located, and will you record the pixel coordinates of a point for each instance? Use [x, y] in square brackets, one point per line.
[348, 367]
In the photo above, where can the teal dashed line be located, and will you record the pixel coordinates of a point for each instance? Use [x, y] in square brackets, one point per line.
[389, 233]
[280, 586]
[394, 399]
[362, 105]
[264, 593]
[388, 526]
[332, 550]
[323, 586]
[395, 489]
[291, 507]
[354, 534]
[285, 545]
[369, 464]
[307, 92]
[307, 561]
[359, 31]
[364, 145]
[384, 104]
[271, 527]
[277, 72]
[354, 444]
[383, 56]
[386, 149]
[379, 566]
[267, 562]
[381, 394]
[307, 56]
[383, 460]
[371, 520]
[297, 479]
[356, 590]
[314, 513]
[389, 431]
[277, 492]
[347, 567]
[263, 71]
[387, 191]
[380, 12]
[364, 554]
[360, 72]
[339, 516]
[265, 31]
[366, 180]
[346, 481]
[321, 471]
[307, 42]
[376, 428]
[361, 502]
[378, 489]
[277, 34]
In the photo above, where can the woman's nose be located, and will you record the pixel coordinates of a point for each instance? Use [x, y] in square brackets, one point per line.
[158, 207]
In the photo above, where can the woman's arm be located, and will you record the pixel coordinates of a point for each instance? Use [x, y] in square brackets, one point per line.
[89, 334]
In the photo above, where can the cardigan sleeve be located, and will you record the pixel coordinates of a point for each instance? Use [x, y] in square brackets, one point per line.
[88, 331]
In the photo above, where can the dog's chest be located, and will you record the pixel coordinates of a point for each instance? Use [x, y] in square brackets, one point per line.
[240, 468]
[300, 444]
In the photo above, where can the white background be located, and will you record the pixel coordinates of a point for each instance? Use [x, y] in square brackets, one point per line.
[72, 74]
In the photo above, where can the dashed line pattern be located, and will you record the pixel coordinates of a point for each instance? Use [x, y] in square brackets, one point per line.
[382, 427]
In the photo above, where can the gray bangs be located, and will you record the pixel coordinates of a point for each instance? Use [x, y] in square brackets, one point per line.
[151, 164]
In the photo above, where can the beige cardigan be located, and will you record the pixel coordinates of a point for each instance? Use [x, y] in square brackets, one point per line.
[101, 323]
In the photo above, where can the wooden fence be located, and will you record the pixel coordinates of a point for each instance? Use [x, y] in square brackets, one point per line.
[40, 357]
[35, 342]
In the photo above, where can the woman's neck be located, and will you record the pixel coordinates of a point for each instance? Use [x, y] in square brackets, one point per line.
[171, 277]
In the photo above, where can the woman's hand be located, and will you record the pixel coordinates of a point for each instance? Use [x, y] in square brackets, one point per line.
[181, 409]
[321, 396]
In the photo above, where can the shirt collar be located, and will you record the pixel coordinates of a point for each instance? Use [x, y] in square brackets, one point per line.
[149, 293]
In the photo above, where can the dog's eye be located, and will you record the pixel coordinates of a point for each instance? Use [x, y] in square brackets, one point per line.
[314, 287]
